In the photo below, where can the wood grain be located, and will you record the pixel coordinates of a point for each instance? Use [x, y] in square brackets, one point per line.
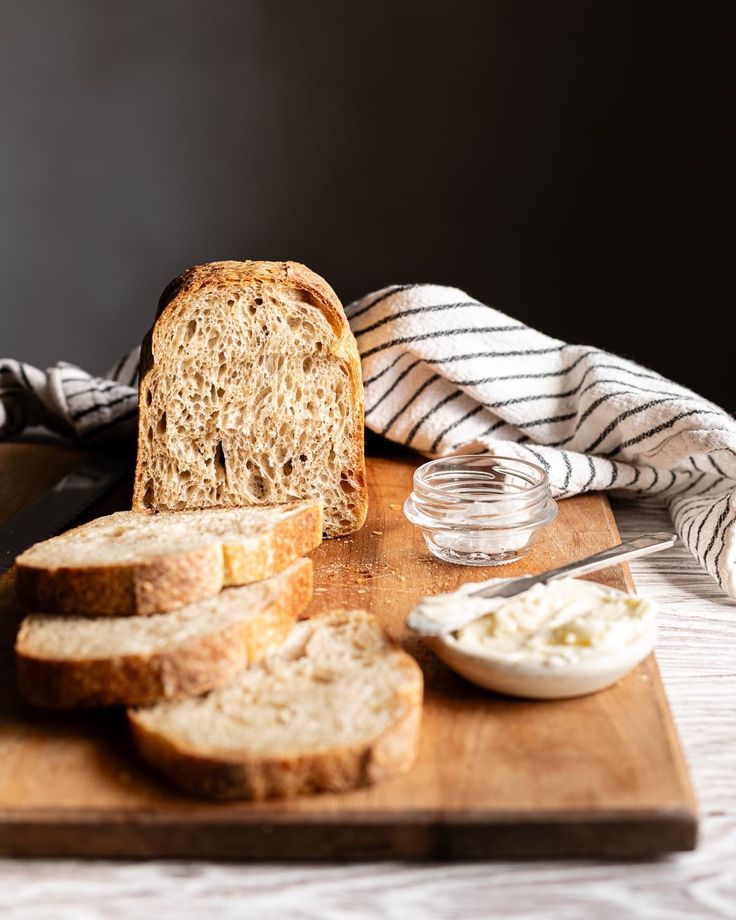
[695, 652]
[602, 775]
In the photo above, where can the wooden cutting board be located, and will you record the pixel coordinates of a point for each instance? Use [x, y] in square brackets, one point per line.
[598, 776]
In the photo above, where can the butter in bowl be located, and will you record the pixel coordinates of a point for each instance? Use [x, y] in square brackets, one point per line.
[562, 639]
[546, 636]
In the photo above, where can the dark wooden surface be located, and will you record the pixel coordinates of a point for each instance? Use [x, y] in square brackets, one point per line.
[602, 775]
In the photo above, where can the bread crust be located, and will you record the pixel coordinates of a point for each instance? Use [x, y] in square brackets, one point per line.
[260, 778]
[169, 581]
[139, 589]
[243, 566]
[290, 275]
[194, 667]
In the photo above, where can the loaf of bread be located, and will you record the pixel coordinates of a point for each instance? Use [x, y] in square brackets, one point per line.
[338, 706]
[251, 393]
[65, 661]
[129, 564]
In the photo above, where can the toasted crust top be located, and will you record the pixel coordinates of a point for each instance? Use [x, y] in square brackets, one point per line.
[289, 274]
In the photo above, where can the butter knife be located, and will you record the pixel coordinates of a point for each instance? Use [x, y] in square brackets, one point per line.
[59, 506]
[439, 614]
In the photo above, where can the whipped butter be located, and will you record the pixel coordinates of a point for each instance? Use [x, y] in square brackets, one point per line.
[561, 639]
[559, 623]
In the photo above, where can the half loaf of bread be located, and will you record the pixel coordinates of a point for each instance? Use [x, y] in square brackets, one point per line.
[65, 661]
[250, 394]
[338, 706]
[137, 564]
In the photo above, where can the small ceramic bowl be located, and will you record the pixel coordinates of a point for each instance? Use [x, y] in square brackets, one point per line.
[535, 680]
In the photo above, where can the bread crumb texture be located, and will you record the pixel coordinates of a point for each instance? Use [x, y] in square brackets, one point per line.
[337, 706]
[252, 395]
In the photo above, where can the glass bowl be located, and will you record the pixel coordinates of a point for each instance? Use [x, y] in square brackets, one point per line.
[478, 509]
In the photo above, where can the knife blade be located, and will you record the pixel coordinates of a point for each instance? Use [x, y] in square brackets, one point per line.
[60, 505]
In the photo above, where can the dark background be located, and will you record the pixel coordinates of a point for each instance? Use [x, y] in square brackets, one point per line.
[562, 160]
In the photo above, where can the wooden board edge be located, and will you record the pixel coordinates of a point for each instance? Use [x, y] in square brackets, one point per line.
[690, 801]
[637, 835]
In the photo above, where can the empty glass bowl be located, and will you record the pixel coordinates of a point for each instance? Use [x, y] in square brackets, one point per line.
[477, 509]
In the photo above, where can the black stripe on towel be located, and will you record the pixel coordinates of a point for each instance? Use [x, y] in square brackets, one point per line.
[100, 407]
[721, 550]
[589, 370]
[568, 468]
[713, 485]
[428, 382]
[101, 385]
[549, 420]
[386, 369]
[687, 503]
[655, 479]
[438, 440]
[85, 379]
[489, 430]
[586, 415]
[687, 485]
[540, 458]
[392, 386]
[396, 289]
[692, 522]
[432, 308]
[703, 523]
[696, 482]
[423, 419]
[719, 523]
[664, 426]
[494, 427]
[443, 333]
[450, 359]
[622, 416]
[715, 465]
[536, 376]
[592, 474]
[24, 375]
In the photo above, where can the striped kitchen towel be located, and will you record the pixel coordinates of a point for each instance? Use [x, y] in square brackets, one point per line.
[444, 373]
[69, 401]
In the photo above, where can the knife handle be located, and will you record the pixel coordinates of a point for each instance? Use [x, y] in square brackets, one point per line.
[629, 549]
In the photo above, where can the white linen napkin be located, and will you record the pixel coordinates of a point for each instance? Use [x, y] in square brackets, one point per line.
[444, 373]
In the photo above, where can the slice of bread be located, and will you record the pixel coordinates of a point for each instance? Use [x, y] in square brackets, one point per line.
[338, 706]
[130, 564]
[251, 393]
[102, 661]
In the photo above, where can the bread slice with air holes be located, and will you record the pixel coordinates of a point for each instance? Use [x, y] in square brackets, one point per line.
[337, 707]
[102, 661]
[130, 564]
[251, 393]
